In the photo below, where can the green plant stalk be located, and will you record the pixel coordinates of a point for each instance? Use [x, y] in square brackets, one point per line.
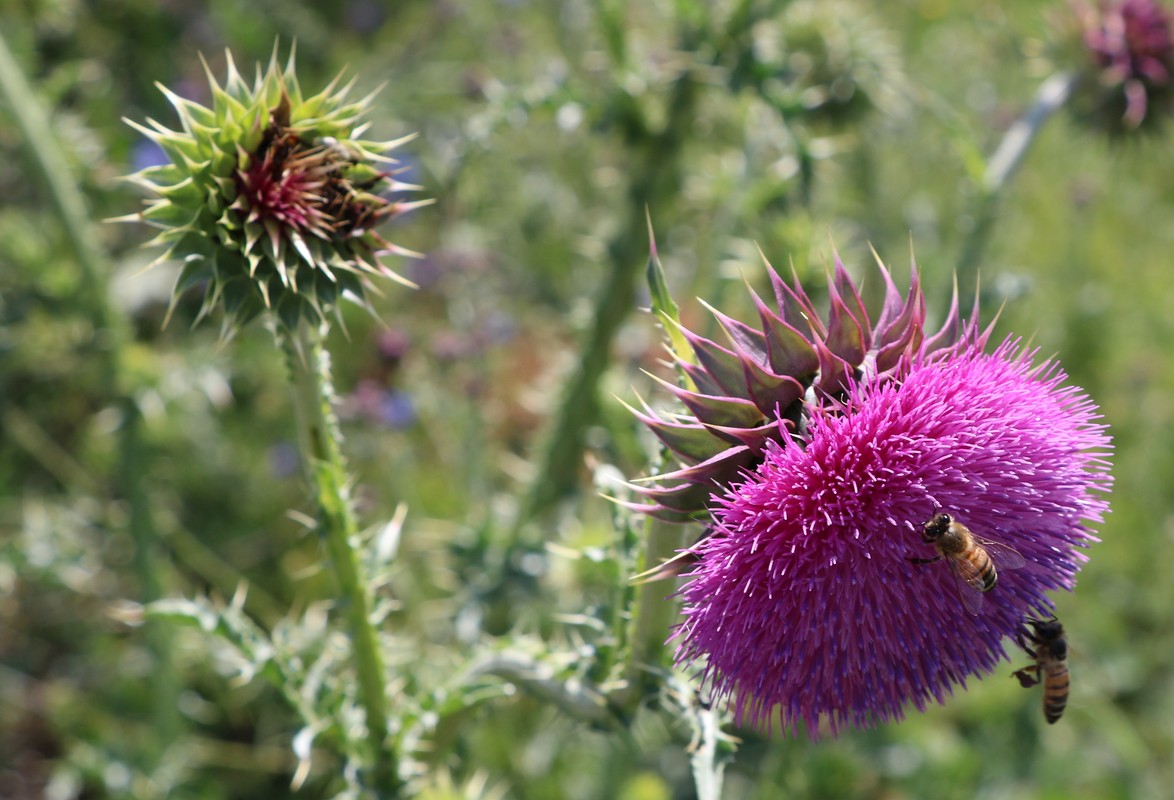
[165, 684]
[111, 333]
[320, 440]
[1002, 166]
[658, 157]
[655, 607]
[53, 174]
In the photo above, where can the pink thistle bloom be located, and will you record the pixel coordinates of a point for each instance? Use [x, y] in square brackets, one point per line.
[1130, 80]
[805, 606]
[735, 396]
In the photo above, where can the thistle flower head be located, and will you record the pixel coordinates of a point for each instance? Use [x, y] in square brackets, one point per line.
[1129, 78]
[759, 387]
[816, 450]
[271, 199]
[805, 605]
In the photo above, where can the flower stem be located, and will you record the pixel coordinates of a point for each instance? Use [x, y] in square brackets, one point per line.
[655, 606]
[52, 166]
[165, 683]
[1002, 166]
[320, 440]
[658, 173]
[110, 337]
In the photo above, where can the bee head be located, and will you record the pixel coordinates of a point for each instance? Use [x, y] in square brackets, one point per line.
[1047, 629]
[936, 528]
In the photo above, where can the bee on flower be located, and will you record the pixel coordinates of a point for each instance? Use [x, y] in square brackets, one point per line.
[815, 448]
[1126, 71]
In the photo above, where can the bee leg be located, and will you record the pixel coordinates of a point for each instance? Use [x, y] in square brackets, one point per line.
[1023, 637]
[1026, 680]
[925, 560]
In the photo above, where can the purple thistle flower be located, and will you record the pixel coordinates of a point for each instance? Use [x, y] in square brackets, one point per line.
[804, 605]
[736, 395]
[1129, 79]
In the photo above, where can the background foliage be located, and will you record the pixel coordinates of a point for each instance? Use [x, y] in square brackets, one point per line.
[543, 127]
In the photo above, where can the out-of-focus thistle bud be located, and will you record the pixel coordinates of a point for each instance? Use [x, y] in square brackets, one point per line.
[830, 61]
[1127, 78]
[270, 199]
[761, 387]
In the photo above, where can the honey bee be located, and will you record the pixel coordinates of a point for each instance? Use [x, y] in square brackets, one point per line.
[1051, 663]
[971, 559]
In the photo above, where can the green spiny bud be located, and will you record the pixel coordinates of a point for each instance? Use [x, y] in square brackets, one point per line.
[271, 198]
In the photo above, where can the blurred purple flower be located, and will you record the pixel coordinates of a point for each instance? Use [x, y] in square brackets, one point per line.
[1132, 52]
[804, 606]
[389, 407]
[364, 17]
[146, 153]
[284, 459]
[498, 328]
[451, 345]
[393, 345]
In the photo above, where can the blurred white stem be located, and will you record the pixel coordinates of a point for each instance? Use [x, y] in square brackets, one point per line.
[1052, 94]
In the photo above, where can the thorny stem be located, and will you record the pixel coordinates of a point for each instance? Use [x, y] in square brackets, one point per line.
[1002, 166]
[652, 614]
[320, 440]
[657, 154]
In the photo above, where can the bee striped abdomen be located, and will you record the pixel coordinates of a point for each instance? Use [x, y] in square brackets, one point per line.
[1055, 690]
[980, 568]
[971, 559]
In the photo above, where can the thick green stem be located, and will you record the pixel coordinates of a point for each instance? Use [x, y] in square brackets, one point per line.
[110, 335]
[657, 176]
[1002, 166]
[655, 607]
[320, 440]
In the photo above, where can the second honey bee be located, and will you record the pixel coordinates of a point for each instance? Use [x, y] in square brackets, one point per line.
[1051, 664]
[971, 559]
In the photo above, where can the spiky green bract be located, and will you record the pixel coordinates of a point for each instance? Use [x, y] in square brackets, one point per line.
[825, 61]
[793, 360]
[271, 198]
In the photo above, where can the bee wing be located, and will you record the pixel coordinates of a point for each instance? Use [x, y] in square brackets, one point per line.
[1004, 555]
[964, 579]
[971, 597]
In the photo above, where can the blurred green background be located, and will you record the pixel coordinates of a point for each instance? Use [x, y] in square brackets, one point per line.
[533, 123]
